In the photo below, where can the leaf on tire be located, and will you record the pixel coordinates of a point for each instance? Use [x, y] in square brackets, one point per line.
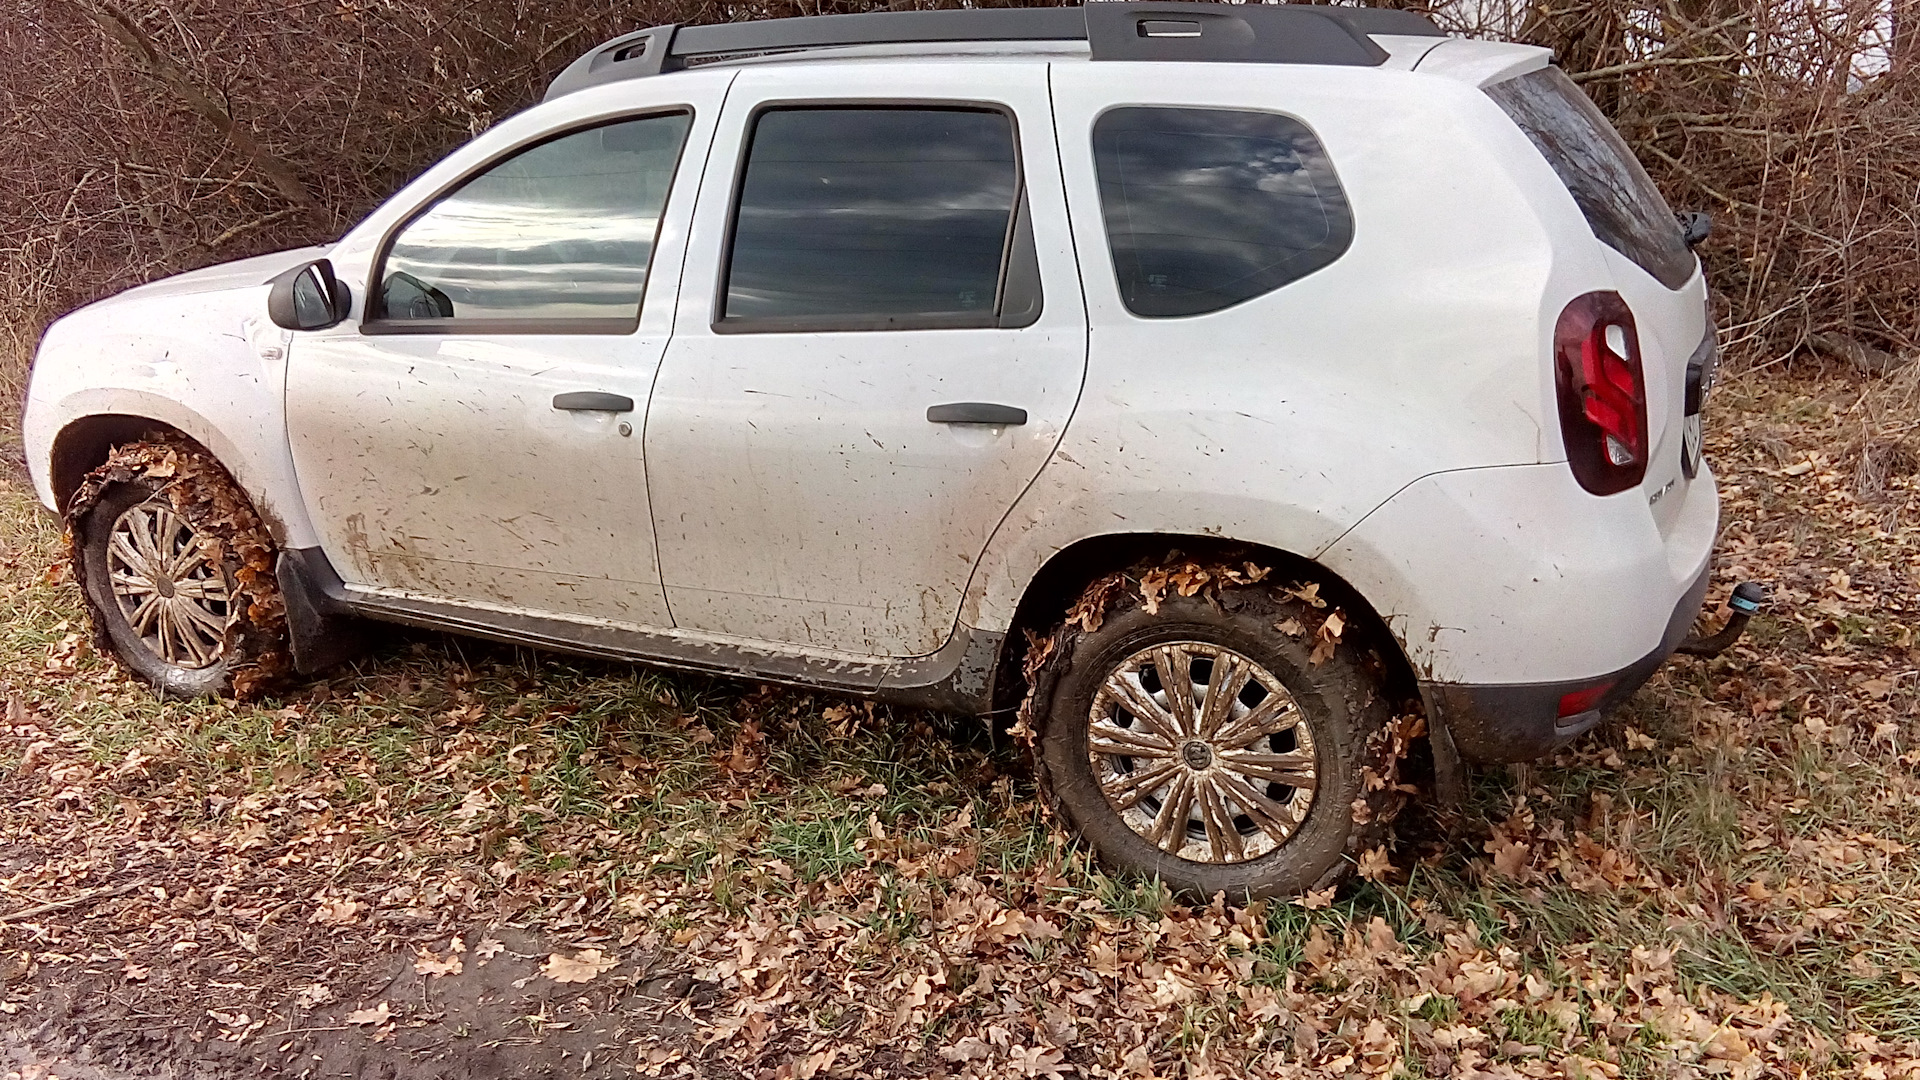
[1091, 609]
[1153, 586]
[1328, 637]
[1308, 594]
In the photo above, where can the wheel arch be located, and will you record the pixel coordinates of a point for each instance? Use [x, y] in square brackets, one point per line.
[85, 442]
[1068, 571]
[82, 444]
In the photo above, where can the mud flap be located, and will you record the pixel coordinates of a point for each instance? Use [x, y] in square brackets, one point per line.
[323, 632]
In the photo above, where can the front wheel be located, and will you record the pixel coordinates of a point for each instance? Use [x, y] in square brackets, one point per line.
[1204, 745]
[177, 572]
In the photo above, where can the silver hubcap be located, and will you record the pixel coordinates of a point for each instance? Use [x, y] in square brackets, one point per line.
[173, 596]
[1202, 752]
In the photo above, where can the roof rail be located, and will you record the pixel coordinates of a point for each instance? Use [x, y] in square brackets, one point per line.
[1134, 30]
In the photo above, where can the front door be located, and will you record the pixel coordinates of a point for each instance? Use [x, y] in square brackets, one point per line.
[477, 439]
[880, 340]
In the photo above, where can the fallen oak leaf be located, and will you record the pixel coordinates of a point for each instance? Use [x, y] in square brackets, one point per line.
[1375, 865]
[432, 966]
[335, 912]
[379, 1014]
[584, 966]
[1314, 901]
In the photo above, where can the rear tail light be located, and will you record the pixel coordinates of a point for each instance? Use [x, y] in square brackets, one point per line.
[1602, 392]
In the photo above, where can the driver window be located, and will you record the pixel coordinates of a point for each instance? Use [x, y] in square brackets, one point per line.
[561, 231]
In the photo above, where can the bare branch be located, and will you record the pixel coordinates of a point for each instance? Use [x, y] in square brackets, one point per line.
[140, 48]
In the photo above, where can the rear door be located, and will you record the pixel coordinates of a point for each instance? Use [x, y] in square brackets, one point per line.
[880, 341]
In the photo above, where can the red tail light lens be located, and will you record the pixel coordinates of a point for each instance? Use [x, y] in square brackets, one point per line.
[1578, 701]
[1602, 392]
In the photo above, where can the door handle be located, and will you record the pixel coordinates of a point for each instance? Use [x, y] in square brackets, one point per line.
[976, 412]
[592, 401]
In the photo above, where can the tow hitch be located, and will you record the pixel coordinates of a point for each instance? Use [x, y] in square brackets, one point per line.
[1747, 599]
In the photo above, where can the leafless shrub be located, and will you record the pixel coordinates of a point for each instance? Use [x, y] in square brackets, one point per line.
[146, 136]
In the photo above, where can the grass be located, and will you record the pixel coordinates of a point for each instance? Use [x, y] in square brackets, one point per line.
[1739, 837]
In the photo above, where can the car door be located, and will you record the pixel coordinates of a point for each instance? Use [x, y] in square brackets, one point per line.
[880, 340]
[475, 438]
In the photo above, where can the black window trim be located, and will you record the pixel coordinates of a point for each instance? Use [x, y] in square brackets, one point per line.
[1019, 221]
[1335, 251]
[374, 324]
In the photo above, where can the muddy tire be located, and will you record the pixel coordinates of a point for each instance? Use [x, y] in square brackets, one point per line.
[176, 569]
[1252, 781]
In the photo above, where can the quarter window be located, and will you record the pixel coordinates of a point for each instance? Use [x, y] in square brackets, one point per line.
[873, 218]
[1613, 191]
[563, 231]
[1206, 208]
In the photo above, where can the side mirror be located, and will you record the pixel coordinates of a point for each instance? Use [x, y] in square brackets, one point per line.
[308, 297]
[1695, 227]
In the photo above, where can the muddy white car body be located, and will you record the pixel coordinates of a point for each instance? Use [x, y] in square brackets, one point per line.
[778, 503]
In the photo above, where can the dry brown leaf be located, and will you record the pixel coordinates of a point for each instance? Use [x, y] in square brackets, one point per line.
[1328, 638]
[379, 1014]
[1375, 865]
[1509, 858]
[1308, 594]
[432, 966]
[313, 995]
[583, 966]
[336, 912]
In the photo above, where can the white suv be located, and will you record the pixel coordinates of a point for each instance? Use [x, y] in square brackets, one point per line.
[1231, 385]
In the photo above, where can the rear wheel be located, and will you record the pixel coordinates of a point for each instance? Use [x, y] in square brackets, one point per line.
[1202, 744]
[176, 570]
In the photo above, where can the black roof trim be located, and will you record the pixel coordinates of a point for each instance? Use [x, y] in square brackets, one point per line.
[1135, 30]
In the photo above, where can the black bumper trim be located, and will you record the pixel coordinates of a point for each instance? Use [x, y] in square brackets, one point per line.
[1520, 721]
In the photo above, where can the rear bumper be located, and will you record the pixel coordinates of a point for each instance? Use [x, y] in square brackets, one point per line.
[1521, 721]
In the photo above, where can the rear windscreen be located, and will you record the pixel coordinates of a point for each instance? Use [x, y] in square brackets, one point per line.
[1612, 190]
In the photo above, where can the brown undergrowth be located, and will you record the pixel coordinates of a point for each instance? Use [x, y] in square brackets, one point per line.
[455, 860]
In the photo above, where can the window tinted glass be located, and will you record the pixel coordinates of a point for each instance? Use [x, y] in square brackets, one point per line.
[862, 214]
[1206, 208]
[563, 230]
[1623, 207]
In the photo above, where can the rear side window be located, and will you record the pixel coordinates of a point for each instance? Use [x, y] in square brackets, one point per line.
[873, 218]
[1612, 190]
[1206, 208]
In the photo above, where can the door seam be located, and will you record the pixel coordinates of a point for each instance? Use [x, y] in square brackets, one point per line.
[666, 350]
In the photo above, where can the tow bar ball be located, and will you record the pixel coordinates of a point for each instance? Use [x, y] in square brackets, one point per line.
[1747, 599]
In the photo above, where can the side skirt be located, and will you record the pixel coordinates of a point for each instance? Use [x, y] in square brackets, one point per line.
[321, 610]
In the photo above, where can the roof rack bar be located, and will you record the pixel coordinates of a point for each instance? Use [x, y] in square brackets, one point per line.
[1134, 30]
